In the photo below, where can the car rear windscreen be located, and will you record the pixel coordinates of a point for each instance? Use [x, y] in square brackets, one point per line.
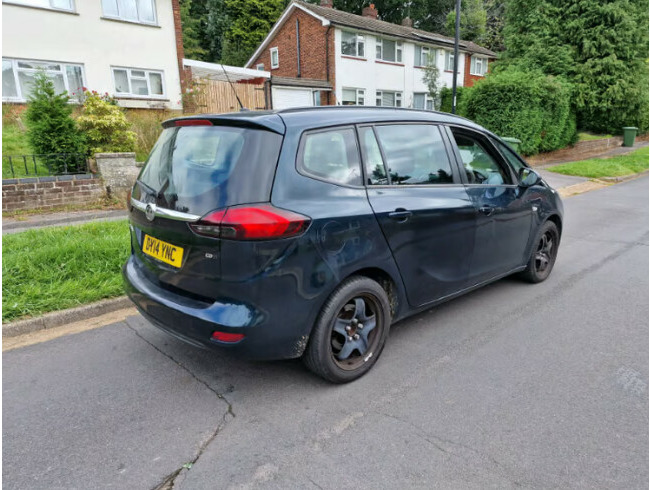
[197, 169]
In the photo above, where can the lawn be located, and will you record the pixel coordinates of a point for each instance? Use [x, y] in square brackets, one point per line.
[630, 163]
[584, 136]
[14, 142]
[56, 268]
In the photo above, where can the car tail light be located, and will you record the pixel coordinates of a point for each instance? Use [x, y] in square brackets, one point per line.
[257, 222]
[193, 122]
[227, 337]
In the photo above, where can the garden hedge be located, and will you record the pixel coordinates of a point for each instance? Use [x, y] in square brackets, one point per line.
[530, 106]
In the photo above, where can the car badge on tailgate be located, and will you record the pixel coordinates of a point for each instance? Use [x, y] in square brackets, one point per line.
[150, 211]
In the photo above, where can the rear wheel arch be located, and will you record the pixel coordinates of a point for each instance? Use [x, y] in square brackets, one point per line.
[386, 281]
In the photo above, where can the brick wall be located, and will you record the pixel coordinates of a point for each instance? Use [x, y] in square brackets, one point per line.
[49, 192]
[180, 51]
[469, 80]
[313, 52]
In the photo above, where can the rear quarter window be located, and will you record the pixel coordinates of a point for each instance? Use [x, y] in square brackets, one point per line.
[331, 155]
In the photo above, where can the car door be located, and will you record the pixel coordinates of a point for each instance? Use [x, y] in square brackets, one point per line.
[504, 219]
[421, 205]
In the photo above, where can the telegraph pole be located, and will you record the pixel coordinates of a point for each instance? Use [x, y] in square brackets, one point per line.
[456, 41]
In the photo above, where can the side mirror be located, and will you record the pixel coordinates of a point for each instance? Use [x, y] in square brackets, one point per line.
[529, 177]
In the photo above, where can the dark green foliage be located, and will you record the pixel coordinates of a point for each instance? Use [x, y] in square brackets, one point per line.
[191, 32]
[50, 127]
[530, 106]
[446, 99]
[250, 22]
[601, 47]
[494, 25]
[473, 21]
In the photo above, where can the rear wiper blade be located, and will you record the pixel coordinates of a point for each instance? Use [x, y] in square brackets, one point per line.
[150, 190]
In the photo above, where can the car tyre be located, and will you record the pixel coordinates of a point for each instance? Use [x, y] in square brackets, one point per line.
[542, 258]
[350, 332]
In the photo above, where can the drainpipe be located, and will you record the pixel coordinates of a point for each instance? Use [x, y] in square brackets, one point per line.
[327, 62]
[298, 45]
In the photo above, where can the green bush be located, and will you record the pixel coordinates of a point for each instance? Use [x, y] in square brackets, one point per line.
[147, 125]
[50, 127]
[446, 99]
[530, 106]
[104, 125]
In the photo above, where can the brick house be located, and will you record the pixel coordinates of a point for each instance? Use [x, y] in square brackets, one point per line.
[318, 55]
[132, 49]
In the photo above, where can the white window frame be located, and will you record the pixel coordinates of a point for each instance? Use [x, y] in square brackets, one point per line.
[139, 21]
[449, 61]
[474, 60]
[399, 50]
[15, 69]
[360, 95]
[379, 98]
[130, 94]
[27, 3]
[427, 99]
[277, 58]
[431, 55]
[360, 40]
[259, 67]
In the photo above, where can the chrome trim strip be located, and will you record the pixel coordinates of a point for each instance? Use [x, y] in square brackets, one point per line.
[165, 213]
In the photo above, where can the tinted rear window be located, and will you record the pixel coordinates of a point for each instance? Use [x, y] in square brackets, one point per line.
[198, 169]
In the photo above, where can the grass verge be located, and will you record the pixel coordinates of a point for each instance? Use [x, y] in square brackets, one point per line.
[584, 136]
[57, 268]
[595, 168]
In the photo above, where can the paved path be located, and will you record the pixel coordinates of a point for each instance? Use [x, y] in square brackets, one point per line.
[13, 225]
[512, 386]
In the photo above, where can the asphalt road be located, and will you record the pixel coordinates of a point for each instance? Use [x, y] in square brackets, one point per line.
[512, 386]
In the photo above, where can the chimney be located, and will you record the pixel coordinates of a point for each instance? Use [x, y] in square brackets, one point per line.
[407, 22]
[370, 11]
[326, 3]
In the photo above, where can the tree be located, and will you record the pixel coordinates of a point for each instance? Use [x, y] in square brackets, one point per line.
[250, 22]
[473, 21]
[494, 26]
[431, 77]
[50, 127]
[601, 47]
[191, 32]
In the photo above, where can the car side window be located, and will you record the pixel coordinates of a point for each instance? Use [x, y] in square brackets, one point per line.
[331, 155]
[374, 164]
[509, 155]
[415, 154]
[481, 167]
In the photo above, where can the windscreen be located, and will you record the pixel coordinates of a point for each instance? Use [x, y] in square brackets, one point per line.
[197, 169]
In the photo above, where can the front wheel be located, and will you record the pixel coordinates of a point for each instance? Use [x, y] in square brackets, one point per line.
[350, 332]
[542, 259]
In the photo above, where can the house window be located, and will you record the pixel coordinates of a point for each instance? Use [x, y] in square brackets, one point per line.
[316, 95]
[354, 96]
[142, 11]
[478, 66]
[388, 50]
[66, 5]
[422, 101]
[132, 82]
[424, 55]
[18, 78]
[275, 58]
[389, 99]
[259, 67]
[449, 61]
[352, 44]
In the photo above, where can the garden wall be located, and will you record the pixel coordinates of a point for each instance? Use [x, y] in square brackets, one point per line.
[49, 192]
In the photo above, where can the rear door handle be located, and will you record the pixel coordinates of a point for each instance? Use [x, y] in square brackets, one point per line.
[486, 210]
[400, 214]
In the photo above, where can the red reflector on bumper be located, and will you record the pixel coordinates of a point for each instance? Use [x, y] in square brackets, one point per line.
[227, 337]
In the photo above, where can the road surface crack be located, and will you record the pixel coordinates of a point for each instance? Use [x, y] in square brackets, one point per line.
[169, 481]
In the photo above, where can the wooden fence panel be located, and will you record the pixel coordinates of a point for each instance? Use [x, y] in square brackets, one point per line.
[214, 96]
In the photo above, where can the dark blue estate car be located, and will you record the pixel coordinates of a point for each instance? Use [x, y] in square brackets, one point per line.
[307, 232]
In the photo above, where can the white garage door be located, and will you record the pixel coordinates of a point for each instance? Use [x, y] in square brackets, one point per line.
[284, 98]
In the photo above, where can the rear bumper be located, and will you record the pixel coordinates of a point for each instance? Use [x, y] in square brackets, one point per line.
[194, 321]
